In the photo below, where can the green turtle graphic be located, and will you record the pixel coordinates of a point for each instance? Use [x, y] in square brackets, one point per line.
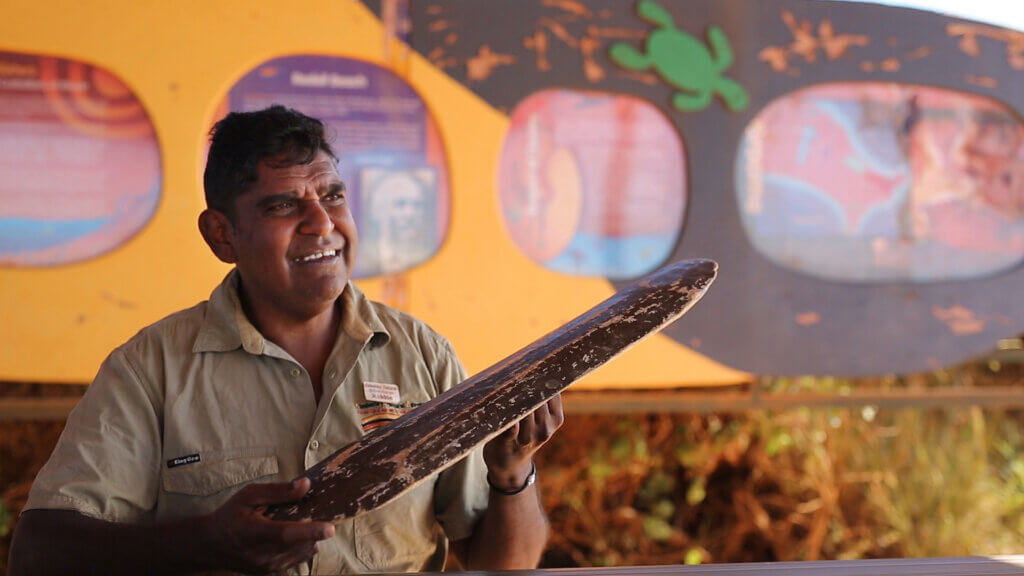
[683, 61]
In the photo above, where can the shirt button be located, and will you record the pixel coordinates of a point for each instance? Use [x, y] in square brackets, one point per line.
[332, 375]
[295, 372]
[314, 445]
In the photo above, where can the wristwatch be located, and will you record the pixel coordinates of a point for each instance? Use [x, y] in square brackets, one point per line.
[531, 478]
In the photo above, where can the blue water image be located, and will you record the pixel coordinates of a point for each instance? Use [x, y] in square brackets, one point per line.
[21, 235]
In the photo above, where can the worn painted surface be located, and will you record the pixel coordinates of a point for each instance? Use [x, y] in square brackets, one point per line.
[192, 52]
[180, 62]
[369, 473]
[807, 41]
[959, 166]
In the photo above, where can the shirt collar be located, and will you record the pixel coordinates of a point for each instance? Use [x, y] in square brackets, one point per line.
[359, 317]
[225, 326]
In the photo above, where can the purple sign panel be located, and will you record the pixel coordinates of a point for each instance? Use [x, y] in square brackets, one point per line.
[79, 163]
[390, 152]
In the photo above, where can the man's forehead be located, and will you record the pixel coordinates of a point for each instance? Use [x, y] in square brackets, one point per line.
[322, 169]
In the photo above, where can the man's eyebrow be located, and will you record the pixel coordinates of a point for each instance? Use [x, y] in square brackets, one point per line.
[273, 198]
[333, 188]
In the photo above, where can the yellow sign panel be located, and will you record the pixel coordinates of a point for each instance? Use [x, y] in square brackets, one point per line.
[180, 59]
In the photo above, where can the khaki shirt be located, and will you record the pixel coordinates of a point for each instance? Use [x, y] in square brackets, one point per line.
[199, 404]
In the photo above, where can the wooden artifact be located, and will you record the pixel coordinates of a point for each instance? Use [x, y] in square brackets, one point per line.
[392, 460]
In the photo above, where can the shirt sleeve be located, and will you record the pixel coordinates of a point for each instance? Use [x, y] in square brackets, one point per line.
[106, 463]
[461, 492]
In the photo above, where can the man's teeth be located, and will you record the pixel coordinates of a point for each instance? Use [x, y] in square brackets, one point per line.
[316, 256]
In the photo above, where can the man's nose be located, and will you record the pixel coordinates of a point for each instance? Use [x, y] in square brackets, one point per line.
[315, 219]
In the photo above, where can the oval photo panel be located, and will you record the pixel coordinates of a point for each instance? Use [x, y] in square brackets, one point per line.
[592, 183]
[881, 182]
[79, 162]
[390, 153]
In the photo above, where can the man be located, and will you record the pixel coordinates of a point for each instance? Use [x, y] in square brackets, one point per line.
[190, 427]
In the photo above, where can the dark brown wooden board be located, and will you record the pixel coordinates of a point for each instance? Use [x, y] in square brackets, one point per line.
[392, 460]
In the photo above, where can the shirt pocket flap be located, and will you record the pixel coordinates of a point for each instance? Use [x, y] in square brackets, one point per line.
[216, 476]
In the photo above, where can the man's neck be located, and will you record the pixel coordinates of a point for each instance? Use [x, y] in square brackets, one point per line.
[308, 339]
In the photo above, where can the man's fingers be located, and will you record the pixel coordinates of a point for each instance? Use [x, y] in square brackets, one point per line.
[555, 409]
[537, 427]
[528, 434]
[258, 543]
[274, 493]
[553, 418]
[510, 436]
[527, 427]
[299, 532]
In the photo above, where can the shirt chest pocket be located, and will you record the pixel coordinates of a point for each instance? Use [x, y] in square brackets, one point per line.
[401, 535]
[202, 487]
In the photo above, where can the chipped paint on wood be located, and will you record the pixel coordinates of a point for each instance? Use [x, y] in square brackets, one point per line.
[439, 25]
[570, 6]
[480, 66]
[615, 33]
[538, 42]
[806, 44]
[591, 69]
[808, 318]
[919, 53]
[389, 462]
[890, 65]
[969, 34]
[960, 320]
[894, 64]
[559, 31]
[983, 81]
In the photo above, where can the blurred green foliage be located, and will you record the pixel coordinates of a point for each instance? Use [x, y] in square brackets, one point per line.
[5, 520]
[801, 484]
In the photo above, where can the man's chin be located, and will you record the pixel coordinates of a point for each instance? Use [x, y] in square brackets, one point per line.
[326, 289]
[321, 282]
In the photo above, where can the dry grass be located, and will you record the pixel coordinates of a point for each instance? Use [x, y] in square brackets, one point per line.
[794, 485]
[797, 485]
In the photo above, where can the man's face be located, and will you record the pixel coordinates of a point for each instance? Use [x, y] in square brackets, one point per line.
[294, 238]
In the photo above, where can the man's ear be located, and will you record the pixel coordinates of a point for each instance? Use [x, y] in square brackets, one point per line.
[216, 229]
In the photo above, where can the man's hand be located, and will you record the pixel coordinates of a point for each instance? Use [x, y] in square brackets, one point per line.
[513, 531]
[246, 541]
[235, 537]
[510, 454]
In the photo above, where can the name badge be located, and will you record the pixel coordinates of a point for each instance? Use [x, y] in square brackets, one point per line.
[380, 392]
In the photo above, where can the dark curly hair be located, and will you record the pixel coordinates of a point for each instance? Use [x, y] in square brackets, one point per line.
[241, 140]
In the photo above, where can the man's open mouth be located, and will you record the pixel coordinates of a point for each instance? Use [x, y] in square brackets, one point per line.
[320, 256]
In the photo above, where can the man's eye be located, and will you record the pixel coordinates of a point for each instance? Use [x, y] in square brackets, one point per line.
[279, 206]
[333, 198]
